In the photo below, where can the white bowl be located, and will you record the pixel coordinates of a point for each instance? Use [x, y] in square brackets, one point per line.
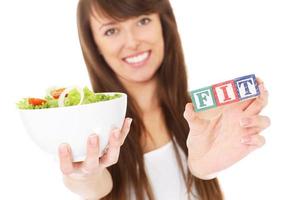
[73, 124]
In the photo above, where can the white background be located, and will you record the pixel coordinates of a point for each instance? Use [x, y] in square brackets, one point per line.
[222, 40]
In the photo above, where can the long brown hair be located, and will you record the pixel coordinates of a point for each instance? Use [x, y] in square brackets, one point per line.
[172, 92]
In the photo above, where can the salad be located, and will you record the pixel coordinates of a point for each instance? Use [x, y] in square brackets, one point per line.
[60, 97]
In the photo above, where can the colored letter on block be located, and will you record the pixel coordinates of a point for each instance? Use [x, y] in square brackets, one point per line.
[225, 93]
[231, 91]
[247, 87]
[203, 99]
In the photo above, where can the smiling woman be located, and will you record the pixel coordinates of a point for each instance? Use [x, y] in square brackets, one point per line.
[134, 47]
[221, 40]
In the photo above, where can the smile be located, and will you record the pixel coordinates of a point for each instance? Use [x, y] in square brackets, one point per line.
[138, 59]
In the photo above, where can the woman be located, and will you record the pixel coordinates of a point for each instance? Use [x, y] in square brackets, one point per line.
[133, 46]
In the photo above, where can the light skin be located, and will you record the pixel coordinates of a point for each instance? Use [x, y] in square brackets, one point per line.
[217, 139]
[221, 137]
[119, 40]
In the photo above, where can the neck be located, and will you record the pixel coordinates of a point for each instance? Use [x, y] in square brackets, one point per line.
[145, 94]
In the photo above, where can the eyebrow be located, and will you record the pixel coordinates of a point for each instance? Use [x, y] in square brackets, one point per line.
[107, 24]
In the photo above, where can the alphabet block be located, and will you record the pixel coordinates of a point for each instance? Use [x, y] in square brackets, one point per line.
[223, 93]
[247, 87]
[204, 98]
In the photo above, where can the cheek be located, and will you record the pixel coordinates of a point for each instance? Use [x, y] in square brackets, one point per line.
[153, 36]
[109, 48]
[159, 45]
[157, 38]
[110, 51]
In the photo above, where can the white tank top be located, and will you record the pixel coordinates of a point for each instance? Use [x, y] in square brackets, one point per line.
[165, 175]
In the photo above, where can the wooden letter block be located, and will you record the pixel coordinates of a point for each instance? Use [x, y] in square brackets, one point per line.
[203, 99]
[247, 87]
[227, 92]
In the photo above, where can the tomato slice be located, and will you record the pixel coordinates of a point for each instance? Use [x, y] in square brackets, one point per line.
[56, 93]
[36, 101]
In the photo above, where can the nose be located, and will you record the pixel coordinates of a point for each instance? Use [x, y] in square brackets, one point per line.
[131, 40]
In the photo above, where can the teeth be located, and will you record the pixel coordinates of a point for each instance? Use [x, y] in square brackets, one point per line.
[137, 59]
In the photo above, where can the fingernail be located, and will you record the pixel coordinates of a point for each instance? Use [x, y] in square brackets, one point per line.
[64, 149]
[129, 120]
[245, 121]
[246, 140]
[93, 139]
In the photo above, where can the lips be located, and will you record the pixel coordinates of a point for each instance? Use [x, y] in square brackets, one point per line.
[137, 60]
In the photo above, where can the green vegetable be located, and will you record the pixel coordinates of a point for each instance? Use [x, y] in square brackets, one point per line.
[71, 99]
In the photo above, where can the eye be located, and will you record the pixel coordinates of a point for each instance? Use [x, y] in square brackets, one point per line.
[110, 32]
[144, 21]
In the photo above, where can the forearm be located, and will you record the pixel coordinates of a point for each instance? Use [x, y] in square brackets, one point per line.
[93, 188]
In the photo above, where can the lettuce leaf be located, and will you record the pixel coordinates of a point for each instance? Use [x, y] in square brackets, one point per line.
[72, 98]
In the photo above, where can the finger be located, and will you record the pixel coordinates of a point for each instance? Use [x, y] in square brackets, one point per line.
[115, 138]
[259, 80]
[189, 113]
[125, 129]
[195, 123]
[110, 157]
[256, 121]
[252, 131]
[253, 140]
[92, 156]
[259, 103]
[242, 105]
[65, 159]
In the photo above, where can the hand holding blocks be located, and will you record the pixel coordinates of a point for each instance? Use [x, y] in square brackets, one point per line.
[231, 91]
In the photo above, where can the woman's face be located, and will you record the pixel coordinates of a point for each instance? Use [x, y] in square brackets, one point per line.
[133, 48]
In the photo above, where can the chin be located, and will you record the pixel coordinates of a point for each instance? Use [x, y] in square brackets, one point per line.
[141, 79]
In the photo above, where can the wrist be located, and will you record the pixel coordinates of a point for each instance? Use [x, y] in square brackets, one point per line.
[93, 187]
[200, 171]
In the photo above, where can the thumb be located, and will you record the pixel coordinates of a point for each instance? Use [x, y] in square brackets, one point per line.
[195, 122]
[189, 113]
